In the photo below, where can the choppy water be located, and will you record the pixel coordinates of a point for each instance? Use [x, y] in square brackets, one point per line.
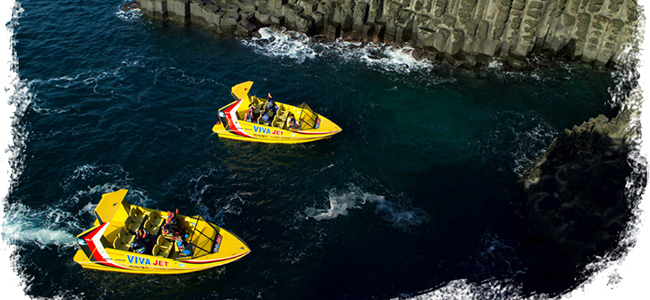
[418, 191]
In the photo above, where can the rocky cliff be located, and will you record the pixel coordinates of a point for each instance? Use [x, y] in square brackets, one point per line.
[594, 31]
[575, 202]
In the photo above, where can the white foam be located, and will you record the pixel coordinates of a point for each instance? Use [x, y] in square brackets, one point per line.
[340, 203]
[130, 15]
[495, 64]
[391, 58]
[51, 226]
[283, 43]
[300, 47]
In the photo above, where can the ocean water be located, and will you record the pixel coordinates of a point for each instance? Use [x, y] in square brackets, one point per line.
[419, 190]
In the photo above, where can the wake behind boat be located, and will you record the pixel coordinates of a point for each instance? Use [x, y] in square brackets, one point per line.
[113, 243]
[250, 118]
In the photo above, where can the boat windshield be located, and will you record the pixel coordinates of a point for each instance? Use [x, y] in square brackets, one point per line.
[204, 237]
[308, 118]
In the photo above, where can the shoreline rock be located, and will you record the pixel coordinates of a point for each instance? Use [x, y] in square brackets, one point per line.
[574, 202]
[462, 31]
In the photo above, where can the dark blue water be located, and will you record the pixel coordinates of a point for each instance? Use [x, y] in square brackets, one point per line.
[419, 190]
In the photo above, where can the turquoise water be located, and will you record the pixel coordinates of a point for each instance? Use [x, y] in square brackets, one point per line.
[420, 188]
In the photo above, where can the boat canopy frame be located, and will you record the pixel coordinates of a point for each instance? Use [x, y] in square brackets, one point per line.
[308, 118]
[198, 219]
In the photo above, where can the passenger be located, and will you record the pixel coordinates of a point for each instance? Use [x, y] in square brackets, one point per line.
[249, 116]
[167, 232]
[171, 225]
[145, 236]
[293, 123]
[143, 242]
[171, 218]
[265, 118]
[182, 246]
[271, 108]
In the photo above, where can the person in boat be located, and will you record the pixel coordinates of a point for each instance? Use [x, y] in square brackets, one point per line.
[271, 108]
[249, 116]
[182, 246]
[293, 123]
[143, 242]
[264, 119]
[172, 226]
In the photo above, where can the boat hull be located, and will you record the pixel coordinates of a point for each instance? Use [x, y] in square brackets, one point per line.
[267, 134]
[108, 246]
[125, 262]
[232, 124]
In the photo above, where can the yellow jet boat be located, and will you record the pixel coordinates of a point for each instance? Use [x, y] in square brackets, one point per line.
[233, 123]
[108, 245]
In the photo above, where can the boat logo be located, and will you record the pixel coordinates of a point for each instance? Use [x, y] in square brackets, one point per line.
[145, 261]
[267, 130]
[217, 244]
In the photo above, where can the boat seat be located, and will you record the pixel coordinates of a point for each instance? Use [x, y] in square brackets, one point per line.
[120, 245]
[156, 250]
[136, 215]
[126, 237]
[165, 246]
[156, 220]
[149, 227]
[130, 225]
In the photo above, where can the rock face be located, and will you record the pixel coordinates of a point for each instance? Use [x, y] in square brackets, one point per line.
[574, 201]
[594, 31]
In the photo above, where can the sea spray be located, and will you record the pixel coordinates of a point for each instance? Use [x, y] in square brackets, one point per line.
[300, 47]
[283, 43]
[341, 202]
[44, 227]
[129, 13]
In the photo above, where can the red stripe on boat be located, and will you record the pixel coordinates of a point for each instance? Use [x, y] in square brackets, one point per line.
[213, 260]
[233, 123]
[96, 247]
[304, 132]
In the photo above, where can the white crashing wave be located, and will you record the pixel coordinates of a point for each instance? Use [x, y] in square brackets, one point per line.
[390, 58]
[133, 14]
[300, 47]
[283, 43]
[46, 227]
[339, 203]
